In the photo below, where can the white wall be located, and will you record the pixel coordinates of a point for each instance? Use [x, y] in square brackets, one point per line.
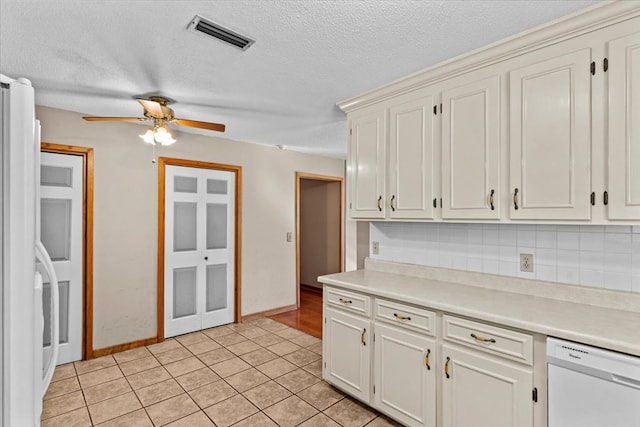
[589, 255]
[125, 218]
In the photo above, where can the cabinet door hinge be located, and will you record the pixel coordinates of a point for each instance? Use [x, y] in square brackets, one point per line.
[440, 202]
[440, 108]
[605, 64]
[325, 364]
[593, 68]
[435, 110]
[374, 389]
[374, 337]
[350, 131]
[593, 198]
[534, 394]
[325, 320]
[350, 205]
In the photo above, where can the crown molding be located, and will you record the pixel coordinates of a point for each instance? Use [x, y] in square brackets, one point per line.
[579, 23]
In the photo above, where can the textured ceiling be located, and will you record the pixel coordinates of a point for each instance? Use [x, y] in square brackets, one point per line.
[94, 57]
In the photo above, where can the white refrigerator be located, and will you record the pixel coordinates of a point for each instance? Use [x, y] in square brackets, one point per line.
[25, 377]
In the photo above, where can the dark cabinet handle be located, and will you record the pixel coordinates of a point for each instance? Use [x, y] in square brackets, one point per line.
[491, 199]
[435, 203]
[401, 317]
[393, 208]
[482, 339]
[593, 198]
[380, 203]
[515, 199]
[426, 359]
[206, 258]
[606, 198]
[364, 331]
[446, 367]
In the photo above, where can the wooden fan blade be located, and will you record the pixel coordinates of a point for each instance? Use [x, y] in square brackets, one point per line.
[114, 119]
[153, 108]
[219, 127]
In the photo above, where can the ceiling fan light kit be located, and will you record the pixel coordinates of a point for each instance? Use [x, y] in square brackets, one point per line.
[156, 108]
[158, 135]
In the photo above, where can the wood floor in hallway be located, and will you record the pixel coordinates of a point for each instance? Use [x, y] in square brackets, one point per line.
[308, 318]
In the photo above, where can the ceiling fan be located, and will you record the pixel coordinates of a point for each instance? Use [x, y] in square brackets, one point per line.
[156, 109]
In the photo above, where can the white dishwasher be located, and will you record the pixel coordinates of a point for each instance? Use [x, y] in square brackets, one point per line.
[591, 387]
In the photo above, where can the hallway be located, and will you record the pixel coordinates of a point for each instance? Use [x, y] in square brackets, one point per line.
[308, 318]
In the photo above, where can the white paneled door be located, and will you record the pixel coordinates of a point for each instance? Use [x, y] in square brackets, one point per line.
[61, 218]
[199, 276]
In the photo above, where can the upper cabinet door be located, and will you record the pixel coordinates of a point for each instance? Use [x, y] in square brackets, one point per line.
[471, 150]
[624, 128]
[551, 138]
[412, 160]
[367, 153]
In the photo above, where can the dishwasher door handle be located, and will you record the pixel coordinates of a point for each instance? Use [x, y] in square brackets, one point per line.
[626, 381]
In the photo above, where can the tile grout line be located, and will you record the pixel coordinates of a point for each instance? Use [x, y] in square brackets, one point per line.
[237, 329]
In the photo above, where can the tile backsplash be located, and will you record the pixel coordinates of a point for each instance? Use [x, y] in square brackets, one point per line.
[588, 255]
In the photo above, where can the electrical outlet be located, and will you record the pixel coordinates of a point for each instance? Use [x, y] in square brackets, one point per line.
[375, 248]
[526, 263]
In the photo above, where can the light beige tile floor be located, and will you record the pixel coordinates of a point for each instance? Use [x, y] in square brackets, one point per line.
[257, 373]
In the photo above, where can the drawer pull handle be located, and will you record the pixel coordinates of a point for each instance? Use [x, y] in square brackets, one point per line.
[481, 339]
[491, 200]
[346, 301]
[364, 331]
[426, 359]
[379, 205]
[446, 368]
[400, 317]
[393, 207]
[515, 199]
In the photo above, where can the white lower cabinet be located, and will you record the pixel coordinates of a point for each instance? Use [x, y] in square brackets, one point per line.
[347, 353]
[405, 375]
[394, 358]
[484, 391]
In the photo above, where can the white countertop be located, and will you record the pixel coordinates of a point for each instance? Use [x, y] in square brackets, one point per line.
[601, 326]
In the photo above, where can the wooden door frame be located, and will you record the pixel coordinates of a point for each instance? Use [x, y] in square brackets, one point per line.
[237, 170]
[87, 235]
[327, 178]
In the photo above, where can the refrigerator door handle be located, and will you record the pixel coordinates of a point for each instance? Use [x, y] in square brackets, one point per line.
[43, 256]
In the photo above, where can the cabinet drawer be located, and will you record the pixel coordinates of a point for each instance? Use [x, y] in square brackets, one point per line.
[349, 301]
[405, 315]
[491, 339]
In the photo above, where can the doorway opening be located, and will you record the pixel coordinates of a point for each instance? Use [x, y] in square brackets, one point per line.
[78, 327]
[319, 245]
[198, 245]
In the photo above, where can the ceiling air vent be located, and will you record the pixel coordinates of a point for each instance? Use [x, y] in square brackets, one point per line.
[214, 30]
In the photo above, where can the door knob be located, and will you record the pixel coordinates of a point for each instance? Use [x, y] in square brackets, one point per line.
[206, 258]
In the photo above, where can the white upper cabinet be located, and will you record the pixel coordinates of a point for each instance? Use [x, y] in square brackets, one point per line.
[624, 128]
[543, 126]
[412, 155]
[367, 163]
[550, 140]
[471, 150]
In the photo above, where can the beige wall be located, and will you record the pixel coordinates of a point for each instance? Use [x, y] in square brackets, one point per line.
[125, 219]
[320, 224]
